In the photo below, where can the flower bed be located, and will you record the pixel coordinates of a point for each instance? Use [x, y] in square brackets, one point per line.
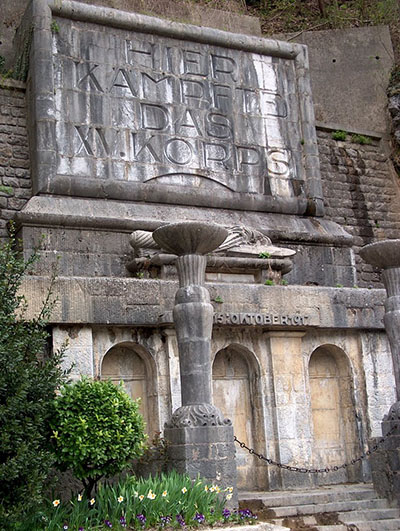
[168, 501]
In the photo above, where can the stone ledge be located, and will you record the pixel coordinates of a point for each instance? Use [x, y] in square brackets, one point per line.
[47, 211]
[8, 83]
[146, 24]
[137, 302]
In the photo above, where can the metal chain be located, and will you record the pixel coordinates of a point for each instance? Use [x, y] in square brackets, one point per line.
[325, 470]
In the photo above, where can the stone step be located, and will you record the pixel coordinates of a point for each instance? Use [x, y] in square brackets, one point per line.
[321, 495]
[332, 507]
[368, 515]
[338, 527]
[376, 525]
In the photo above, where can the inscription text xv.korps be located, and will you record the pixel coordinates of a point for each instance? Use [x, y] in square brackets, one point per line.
[244, 318]
[190, 108]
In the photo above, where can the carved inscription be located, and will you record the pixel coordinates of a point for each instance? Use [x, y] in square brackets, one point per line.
[260, 319]
[158, 108]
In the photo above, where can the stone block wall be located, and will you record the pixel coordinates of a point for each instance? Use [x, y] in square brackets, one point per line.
[361, 193]
[14, 153]
[361, 189]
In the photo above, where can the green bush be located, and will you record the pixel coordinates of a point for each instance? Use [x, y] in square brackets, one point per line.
[28, 381]
[97, 430]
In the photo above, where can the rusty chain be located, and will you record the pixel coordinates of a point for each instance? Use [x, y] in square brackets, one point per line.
[325, 470]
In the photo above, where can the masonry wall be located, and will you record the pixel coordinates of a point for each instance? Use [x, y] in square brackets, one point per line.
[14, 154]
[361, 193]
[361, 189]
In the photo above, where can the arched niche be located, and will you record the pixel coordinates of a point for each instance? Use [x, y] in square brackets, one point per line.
[132, 365]
[236, 391]
[334, 417]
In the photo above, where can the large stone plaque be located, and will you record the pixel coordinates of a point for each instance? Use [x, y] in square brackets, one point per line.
[137, 108]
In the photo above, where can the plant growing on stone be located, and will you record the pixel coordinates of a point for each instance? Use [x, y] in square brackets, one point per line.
[264, 254]
[28, 382]
[360, 139]
[269, 282]
[339, 135]
[97, 430]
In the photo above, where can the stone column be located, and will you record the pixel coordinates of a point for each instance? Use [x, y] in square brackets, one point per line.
[386, 466]
[201, 439]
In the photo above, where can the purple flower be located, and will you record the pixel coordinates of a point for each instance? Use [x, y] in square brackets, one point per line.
[108, 523]
[142, 519]
[81, 529]
[180, 520]
[199, 518]
[226, 513]
[246, 513]
[165, 520]
[122, 521]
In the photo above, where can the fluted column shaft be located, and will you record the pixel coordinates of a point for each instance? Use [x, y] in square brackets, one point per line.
[193, 317]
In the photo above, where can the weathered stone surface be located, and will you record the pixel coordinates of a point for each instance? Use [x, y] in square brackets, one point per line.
[240, 132]
[136, 302]
[361, 194]
[350, 72]
[14, 152]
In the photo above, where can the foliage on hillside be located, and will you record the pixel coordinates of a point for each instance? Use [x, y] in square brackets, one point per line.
[292, 16]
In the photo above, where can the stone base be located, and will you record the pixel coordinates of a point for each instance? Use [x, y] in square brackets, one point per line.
[206, 451]
[385, 463]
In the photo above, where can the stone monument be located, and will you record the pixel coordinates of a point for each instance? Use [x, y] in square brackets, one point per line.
[201, 438]
[386, 255]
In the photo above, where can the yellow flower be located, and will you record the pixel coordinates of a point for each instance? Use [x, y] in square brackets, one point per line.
[92, 501]
[151, 495]
[164, 494]
[120, 499]
[80, 497]
[56, 503]
[229, 496]
[212, 489]
[217, 489]
[206, 488]
[141, 497]
[184, 490]
[230, 489]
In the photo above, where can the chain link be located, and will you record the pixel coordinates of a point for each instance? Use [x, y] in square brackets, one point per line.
[304, 470]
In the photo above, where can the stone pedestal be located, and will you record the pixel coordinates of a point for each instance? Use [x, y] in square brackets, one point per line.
[386, 464]
[201, 440]
[207, 451]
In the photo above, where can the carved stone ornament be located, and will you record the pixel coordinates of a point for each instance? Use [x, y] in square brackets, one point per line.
[247, 241]
[241, 241]
[197, 415]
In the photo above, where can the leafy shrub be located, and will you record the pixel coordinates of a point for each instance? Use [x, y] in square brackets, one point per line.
[97, 430]
[28, 381]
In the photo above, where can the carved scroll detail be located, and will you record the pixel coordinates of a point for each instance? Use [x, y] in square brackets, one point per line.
[196, 415]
